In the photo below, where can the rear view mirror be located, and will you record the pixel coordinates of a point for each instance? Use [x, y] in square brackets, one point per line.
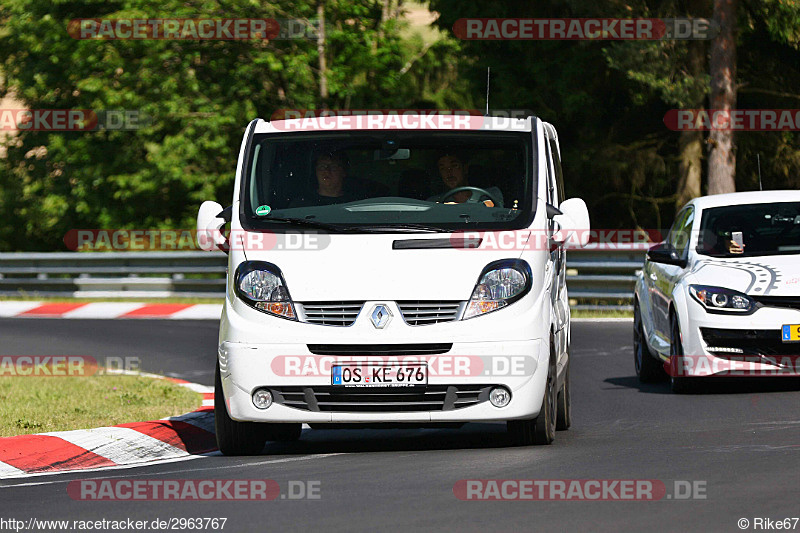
[392, 154]
[209, 224]
[573, 223]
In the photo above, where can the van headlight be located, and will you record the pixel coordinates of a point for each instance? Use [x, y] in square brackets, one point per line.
[721, 299]
[261, 286]
[500, 284]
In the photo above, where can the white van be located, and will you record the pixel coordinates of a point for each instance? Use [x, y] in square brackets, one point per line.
[390, 272]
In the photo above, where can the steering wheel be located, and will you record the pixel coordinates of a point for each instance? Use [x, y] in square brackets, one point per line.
[475, 198]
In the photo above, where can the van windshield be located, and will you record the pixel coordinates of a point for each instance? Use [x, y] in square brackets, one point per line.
[442, 181]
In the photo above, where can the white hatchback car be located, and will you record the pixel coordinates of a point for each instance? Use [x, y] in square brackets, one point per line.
[721, 295]
[355, 298]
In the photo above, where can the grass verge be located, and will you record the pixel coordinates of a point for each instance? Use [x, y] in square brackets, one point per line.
[42, 404]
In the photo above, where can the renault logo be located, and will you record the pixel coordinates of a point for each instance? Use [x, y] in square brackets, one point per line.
[380, 316]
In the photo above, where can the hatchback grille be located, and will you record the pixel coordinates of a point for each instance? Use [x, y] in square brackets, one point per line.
[762, 342]
[329, 313]
[422, 313]
[329, 399]
[791, 302]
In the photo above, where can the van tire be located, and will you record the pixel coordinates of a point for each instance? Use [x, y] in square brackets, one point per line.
[235, 438]
[564, 402]
[542, 429]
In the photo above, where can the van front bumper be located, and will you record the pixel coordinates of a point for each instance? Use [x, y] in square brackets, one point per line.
[457, 389]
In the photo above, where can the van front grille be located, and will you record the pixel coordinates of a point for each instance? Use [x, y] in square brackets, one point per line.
[420, 313]
[329, 313]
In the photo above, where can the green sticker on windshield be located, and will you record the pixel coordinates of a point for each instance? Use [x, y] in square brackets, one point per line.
[263, 210]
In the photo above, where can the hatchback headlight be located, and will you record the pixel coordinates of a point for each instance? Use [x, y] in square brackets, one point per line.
[260, 285]
[500, 284]
[721, 299]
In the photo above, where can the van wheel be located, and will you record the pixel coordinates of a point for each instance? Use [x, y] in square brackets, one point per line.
[648, 369]
[542, 429]
[564, 402]
[678, 384]
[235, 438]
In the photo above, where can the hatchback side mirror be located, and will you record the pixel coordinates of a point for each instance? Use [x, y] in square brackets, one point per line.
[664, 253]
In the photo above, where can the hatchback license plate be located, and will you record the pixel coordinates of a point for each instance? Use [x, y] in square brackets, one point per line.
[791, 333]
[379, 375]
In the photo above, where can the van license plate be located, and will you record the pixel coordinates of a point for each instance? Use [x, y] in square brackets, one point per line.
[379, 375]
[791, 333]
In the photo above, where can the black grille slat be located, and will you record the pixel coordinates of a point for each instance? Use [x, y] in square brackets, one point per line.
[380, 349]
[381, 399]
[790, 302]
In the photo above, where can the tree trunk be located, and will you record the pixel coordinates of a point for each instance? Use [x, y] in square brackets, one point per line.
[691, 142]
[691, 174]
[323, 68]
[722, 159]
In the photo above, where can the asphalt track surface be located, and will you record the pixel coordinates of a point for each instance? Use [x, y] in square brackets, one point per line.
[740, 442]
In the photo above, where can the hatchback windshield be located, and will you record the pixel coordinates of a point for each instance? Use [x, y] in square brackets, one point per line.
[441, 181]
[764, 229]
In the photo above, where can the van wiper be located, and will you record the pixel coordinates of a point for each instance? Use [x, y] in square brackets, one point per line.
[309, 223]
[406, 227]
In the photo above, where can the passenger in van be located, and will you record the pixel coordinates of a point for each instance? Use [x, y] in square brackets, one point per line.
[453, 172]
[330, 169]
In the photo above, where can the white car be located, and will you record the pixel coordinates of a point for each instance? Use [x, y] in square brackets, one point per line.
[354, 299]
[721, 295]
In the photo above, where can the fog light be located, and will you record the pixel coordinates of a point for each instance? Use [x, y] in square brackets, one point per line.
[262, 398]
[499, 396]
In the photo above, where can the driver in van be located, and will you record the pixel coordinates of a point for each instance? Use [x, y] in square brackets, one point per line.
[453, 172]
[330, 169]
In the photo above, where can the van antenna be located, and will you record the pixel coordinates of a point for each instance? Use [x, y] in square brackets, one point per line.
[760, 186]
[488, 73]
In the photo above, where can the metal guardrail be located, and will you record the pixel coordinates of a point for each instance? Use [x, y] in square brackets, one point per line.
[598, 276]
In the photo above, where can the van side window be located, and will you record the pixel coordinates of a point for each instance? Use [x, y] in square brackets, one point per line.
[557, 168]
[552, 198]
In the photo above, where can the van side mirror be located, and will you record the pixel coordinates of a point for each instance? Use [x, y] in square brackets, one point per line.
[573, 223]
[664, 253]
[210, 220]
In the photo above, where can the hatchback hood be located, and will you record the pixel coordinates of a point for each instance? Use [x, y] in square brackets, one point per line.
[776, 275]
[366, 267]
